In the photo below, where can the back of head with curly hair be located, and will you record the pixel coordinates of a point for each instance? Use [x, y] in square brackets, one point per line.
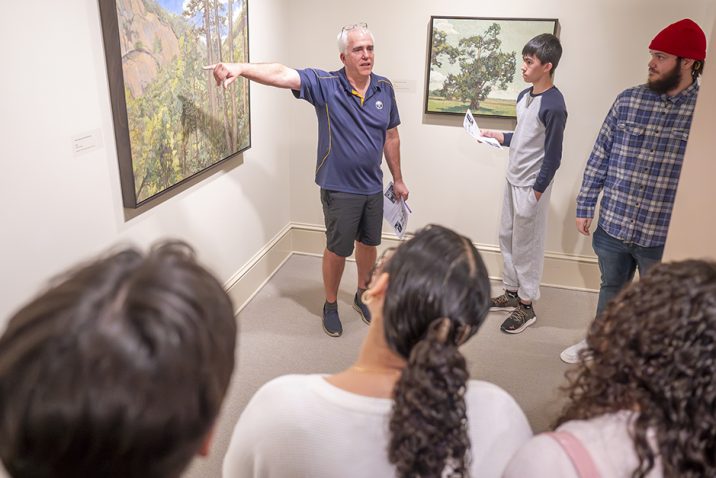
[654, 352]
[437, 297]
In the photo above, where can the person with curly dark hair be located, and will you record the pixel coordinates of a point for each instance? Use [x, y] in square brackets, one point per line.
[406, 407]
[644, 405]
[118, 369]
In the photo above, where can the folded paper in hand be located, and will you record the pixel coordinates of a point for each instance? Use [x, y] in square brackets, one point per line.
[473, 130]
[395, 211]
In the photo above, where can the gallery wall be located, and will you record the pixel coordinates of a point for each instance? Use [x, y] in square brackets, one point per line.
[452, 179]
[58, 208]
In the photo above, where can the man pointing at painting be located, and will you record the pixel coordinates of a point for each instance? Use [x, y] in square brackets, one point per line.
[357, 123]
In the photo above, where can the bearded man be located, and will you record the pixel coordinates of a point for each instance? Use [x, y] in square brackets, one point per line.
[636, 163]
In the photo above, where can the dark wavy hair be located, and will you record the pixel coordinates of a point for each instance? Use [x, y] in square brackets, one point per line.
[654, 352]
[117, 370]
[437, 297]
[546, 47]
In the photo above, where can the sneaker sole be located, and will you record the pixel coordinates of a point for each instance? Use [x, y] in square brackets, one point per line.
[332, 334]
[568, 359]
[360, 312]
[521, 329]
[503, 308]
[573, 360]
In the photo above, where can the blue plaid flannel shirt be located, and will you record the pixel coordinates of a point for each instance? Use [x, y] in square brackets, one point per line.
[636, 161]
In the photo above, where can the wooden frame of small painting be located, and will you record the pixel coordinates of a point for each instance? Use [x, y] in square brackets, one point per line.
[171, 122]
[474, 63]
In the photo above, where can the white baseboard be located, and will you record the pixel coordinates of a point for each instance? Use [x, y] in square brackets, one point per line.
[560, 270]
[249, 280]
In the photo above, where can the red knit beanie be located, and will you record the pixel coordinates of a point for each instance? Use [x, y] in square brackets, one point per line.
[683, 38]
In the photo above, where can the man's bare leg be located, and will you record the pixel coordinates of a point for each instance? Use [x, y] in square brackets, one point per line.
[333, 266]
[365, 259]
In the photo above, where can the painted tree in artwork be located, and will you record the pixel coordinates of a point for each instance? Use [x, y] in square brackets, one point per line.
[441, 50]
[224, 102]
[483, 66]
[180, 123]
[194, 8]
[223, 32]
[231, 28]
[230, 41]
[235, 47]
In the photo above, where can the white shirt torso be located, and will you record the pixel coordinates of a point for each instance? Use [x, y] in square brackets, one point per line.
[303, 426]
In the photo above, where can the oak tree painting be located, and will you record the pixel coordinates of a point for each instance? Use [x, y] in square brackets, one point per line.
[179, 123]
[474, 63]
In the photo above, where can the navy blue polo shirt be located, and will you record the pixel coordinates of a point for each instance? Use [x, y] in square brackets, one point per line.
[351, 129]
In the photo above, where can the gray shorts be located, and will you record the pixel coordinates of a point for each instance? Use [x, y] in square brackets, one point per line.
[351, 217]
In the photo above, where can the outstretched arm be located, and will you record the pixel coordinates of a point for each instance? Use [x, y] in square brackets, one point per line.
[271, 74]
[392, 157]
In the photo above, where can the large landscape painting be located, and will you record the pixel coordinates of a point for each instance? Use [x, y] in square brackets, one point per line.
[171, 121]
[475, 63]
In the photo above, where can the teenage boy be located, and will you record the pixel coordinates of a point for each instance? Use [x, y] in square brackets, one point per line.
[535, 154]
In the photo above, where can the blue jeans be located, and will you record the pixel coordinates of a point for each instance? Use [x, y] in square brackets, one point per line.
[618, 260]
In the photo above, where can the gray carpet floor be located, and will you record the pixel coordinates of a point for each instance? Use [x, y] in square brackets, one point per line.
[280, 333]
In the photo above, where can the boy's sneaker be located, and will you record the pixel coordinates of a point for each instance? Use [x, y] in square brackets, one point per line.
[520, 318]
[331, 322]
[507, 301]
[361, 308]
[571, 354]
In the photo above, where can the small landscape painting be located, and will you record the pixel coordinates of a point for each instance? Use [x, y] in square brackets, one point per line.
[475, 63]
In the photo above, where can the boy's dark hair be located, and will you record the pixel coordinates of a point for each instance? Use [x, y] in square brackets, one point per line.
[117, 370]
[546, 47]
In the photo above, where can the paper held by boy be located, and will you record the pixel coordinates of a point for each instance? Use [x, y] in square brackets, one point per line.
[395, 211]
[474, 130]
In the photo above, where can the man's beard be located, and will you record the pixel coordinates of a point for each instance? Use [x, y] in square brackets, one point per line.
[669, 80]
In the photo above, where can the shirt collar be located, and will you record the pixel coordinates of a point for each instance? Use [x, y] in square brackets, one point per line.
[686, 93]
[347, 84]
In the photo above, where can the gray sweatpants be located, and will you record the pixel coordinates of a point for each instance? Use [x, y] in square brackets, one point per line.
[522, 234]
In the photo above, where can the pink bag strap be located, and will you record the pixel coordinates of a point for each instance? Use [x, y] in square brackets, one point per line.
[581, 459]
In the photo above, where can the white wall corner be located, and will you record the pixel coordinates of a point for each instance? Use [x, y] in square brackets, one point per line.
[249, 279]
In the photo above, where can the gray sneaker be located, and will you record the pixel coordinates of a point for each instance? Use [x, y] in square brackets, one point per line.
[519, 319]
[361, 308]
[332, 322]
[504, 302]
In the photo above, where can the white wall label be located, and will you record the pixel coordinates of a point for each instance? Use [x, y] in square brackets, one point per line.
[404, 85]
[85, 142]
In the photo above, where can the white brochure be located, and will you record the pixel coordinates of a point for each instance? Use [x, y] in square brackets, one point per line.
[395, 211]
[474, 130]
